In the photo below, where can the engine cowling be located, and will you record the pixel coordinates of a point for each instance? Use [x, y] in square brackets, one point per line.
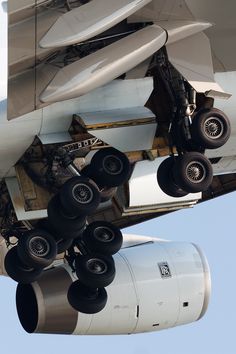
[158, 284]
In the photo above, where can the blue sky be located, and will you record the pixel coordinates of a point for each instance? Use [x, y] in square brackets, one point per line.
[212, 225]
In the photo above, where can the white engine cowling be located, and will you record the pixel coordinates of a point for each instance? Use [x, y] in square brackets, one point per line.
[158, 284]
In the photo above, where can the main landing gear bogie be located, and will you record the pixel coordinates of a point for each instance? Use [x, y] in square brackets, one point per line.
[191, 171]
[89, 249]
[96, 268]
[95, 272]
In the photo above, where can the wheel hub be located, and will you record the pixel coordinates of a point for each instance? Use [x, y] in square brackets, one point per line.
[96, 266]
[213, 128]
[104, 234]
[82, 193]
[196, 172]
[39, 246]
[112, 165]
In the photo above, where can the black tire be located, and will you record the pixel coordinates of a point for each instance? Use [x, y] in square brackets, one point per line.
[37, 248]
[102, 237]
[193, 172]
[210, 128]
[95, 271]
[63, 245]
[165, 179]
[79, 196]
[19, 271]
[86, 300]
[110, 167]
[44, 224]
[87, 171]
[64, 226]
[107, 194]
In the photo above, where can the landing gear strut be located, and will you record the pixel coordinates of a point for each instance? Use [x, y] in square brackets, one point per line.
[192, 129]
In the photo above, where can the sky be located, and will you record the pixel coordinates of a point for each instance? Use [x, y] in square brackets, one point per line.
[211, 225]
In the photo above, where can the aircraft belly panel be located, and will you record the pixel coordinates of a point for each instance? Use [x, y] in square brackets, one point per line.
[229, 149]
[130, 138]
[128, 129]
[226, 165]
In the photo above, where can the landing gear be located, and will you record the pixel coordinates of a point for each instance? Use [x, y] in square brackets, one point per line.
[102, 237]
[88, 249]
[95, 270]
[85, 299]
[189, 173]
[109, 168]
[79, 197]
[210, 128]
[193, 172]
[192, 125]
[65, 226]
[37, 248]
[17, 270]
[165, 178]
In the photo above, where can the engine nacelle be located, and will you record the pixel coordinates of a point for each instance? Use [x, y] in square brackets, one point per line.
[158, 284]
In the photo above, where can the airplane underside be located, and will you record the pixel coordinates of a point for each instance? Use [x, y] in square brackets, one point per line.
[111, 114]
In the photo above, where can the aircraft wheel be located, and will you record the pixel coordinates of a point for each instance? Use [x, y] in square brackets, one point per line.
[19, 271]
[106, 193]
[165, 179]
[110, 167]
[102, 237]
[210, 128]
[62, 244]
[193, 172]
[85, 299]
[95, 271]
[79, 196]
[87, 171]
[37, 248]
[65, 226]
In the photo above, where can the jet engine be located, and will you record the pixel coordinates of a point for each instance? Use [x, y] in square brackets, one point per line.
[158, 284]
